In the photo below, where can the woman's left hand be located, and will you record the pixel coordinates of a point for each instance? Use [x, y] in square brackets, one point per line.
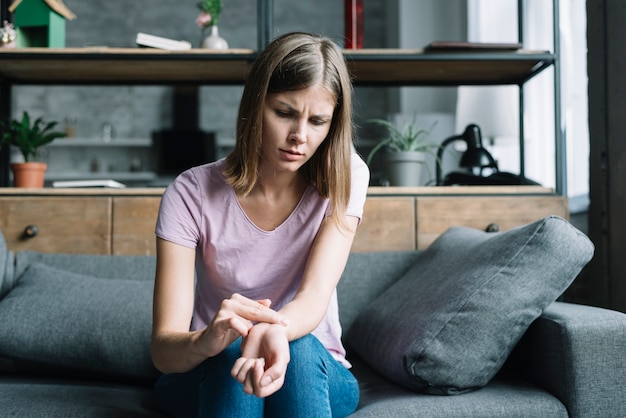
[264, 359]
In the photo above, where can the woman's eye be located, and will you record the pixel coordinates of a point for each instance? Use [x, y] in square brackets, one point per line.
[318, 122]
[283, 113]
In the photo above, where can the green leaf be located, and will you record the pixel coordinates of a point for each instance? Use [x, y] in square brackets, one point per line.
[26, 137]
[409, 138]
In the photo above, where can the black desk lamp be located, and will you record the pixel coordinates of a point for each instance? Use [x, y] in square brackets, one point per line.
[476, 158]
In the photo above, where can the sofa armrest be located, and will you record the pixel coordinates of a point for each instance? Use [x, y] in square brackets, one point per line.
[578, 353]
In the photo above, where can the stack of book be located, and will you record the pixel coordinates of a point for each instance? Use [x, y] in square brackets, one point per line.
[153, 41]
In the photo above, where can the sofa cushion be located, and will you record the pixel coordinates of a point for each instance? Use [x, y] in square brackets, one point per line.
[7, 267]
[129, 267]
[75, 322]
[448, 325]
[367, 275]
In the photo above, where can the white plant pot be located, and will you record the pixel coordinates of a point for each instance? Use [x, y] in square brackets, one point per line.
[405, 168]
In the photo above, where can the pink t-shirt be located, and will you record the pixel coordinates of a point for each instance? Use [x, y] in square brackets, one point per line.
[200, 210]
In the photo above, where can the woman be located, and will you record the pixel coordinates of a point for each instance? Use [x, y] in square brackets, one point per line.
[250, 250]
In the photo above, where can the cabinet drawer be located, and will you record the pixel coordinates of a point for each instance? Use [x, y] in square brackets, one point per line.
[64, 224]
[436, 214]
[134, 219]
[388, 225]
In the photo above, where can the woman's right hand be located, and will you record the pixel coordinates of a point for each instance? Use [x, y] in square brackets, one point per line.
[234, 319]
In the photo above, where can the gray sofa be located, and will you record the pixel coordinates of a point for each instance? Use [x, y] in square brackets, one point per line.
[75, 342]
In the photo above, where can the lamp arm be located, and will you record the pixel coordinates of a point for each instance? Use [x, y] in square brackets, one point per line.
[439, 162]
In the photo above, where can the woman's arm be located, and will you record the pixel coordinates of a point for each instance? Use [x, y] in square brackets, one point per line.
[174, 347]
[326, 263]
[265, 352]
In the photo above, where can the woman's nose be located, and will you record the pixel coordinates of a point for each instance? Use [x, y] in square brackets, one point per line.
[298, 132]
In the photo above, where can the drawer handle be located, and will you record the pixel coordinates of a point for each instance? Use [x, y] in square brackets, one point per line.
[492, 228]
[31, 231]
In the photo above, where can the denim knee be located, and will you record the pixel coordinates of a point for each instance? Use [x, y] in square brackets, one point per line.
[316, 384]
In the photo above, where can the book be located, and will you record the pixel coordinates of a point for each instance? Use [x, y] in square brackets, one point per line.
[88, 183]
[153, 41]
[462, 46]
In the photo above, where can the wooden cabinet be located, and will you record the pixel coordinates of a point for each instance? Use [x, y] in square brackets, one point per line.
[396, 219]
[80, 221]
[56, 224]
[435, 214]
[133, 225]
[123, 221]
[388, 224]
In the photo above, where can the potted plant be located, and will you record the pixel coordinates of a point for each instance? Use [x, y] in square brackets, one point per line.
[209, 15]
[406, 152]
[28, 138]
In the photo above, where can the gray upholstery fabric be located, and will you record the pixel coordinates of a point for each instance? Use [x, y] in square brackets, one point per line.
[365, 277]
[6, 268]
[579, 354]
[79, 322]
[102, 266]
[501, 398]
[23, 396]
[573, 353]
[450, 323]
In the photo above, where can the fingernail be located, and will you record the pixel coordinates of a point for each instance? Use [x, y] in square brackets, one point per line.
[266, 381]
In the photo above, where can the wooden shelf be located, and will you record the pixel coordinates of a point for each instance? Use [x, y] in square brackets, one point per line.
[418, 68]
[99, 143]
[102, 65]
[106, 66]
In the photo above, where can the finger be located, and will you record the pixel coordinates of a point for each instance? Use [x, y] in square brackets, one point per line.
[240, 325]
[234, 371]
[251, 383]
[257, 310]
[265, 302]
[254, 376]
[269, 386]
[272, 374]
[244, 365]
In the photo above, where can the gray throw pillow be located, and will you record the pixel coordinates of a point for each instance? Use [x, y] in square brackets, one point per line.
[78, 323]
[448, 325]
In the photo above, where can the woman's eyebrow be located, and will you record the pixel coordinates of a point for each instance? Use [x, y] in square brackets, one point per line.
[293, 109]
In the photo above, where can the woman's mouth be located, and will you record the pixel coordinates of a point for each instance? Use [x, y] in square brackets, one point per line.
[291, 155]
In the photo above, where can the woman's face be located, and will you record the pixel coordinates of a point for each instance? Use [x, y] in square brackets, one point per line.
[295, 123]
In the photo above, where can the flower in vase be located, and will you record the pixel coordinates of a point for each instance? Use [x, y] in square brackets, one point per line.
[204, 19]
[209, 12]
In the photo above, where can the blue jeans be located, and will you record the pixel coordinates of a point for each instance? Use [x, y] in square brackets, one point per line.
[316, 385]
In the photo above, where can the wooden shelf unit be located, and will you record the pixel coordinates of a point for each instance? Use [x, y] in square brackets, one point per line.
[386, 67]
[369, 67]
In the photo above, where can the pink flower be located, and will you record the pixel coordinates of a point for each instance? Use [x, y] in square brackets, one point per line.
[204, 19]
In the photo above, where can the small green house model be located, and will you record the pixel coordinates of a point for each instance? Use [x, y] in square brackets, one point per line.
[40, 23]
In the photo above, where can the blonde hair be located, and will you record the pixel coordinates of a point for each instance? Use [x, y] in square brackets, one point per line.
[291, 62]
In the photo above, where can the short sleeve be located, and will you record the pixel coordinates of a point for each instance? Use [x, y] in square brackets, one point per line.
[359, 184]
[179, 218]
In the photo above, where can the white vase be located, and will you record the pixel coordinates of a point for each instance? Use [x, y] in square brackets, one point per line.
[214, 40]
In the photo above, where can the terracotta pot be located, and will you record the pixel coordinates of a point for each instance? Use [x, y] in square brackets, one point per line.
[30, 174]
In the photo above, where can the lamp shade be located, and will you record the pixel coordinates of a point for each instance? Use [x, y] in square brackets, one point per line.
[475, 156]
